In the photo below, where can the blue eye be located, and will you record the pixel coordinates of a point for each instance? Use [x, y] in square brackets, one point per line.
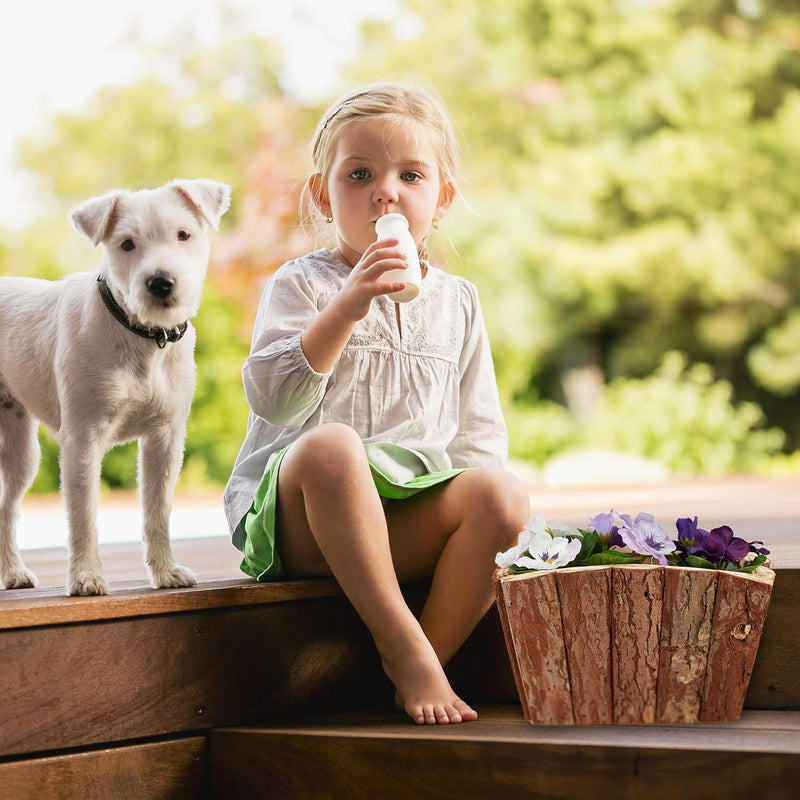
[410, 177]
[359, 174]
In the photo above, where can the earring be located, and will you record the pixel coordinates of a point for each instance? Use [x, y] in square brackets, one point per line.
[329, 220]
[436, 224]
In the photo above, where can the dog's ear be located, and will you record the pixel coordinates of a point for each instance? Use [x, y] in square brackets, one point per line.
[209, 198]
[93, 217]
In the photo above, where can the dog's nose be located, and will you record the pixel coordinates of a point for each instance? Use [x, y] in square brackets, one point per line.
[160, 285]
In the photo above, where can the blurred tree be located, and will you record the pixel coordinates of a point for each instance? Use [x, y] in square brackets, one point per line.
[219, 113]
[634, 168]
[268, 230]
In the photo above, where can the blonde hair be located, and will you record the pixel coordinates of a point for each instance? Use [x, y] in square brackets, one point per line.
[383, 99]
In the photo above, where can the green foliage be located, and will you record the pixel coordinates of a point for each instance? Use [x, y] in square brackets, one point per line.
[634, 171]
[217, 423]
[540, 431]
[685, 419]
[142, 135]
[633, 192]
[47, 479]
[198, 118]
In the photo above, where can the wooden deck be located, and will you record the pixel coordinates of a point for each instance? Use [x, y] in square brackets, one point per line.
[365, 756]
[217, 691]
[756, 508]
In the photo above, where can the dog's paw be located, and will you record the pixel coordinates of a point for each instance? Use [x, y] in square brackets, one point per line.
[19, 577]
[85, 584]
[173, 577]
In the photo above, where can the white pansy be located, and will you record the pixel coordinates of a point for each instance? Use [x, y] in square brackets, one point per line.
[506, 559]
[559, 529]
[536, 524]
[546, 552]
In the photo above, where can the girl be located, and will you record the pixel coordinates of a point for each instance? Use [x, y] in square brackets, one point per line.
[375, 443]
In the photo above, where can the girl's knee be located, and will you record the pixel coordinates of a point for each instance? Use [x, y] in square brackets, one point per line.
[500, 499]
[331, 447]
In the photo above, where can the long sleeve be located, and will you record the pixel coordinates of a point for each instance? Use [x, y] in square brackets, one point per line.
[482, 439]
[279, 383]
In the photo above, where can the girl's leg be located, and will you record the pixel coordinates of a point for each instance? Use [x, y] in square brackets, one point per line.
[331, 521]
[454, 532]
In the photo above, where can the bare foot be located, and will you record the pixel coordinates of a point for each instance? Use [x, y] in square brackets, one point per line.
[425, 693]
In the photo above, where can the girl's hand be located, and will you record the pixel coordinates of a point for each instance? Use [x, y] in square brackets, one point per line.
[365, 280]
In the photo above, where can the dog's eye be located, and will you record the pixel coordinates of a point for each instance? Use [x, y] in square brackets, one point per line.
[184, 236]
[128, 245]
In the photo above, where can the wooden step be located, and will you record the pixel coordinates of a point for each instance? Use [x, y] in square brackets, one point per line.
[139, 663]
[140, 666]
[384, 756]
[173, 769]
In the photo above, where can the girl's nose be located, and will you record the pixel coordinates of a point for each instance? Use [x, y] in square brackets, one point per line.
[385, 193]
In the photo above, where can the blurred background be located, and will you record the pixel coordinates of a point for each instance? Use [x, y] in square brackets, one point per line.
[630, 213]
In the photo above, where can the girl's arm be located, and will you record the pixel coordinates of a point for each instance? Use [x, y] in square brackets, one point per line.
[328, 333]
[280, 384]
[296, 344]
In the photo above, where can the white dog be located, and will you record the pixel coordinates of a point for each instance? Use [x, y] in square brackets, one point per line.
[103, 358]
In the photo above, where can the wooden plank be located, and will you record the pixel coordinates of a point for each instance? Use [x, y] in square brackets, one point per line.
[211, 558]
[171, 770]
[739, 615]
[774, 683]
[508, 639]
[23, 608]
[92, 683]
[359, 756]
[534, 621]
[111, 680]
[636, 607]
[584, 596]
[753, 731]
[687, 614]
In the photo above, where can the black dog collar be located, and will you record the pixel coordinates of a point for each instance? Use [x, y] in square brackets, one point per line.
[159, 335]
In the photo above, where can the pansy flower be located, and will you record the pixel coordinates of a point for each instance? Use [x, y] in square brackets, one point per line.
[646, 536]
[507, 558]
[546, 552]
[604, 525]
[718, 546]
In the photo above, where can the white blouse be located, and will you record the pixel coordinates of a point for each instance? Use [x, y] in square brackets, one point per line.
[427, 384]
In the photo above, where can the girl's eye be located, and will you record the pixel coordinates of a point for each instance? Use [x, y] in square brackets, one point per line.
[359, 174]
[410, 177]
[184, 236]
[128, 245]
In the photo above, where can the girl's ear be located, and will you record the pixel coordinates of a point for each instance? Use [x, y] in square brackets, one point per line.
[446, 197]
[319, 193]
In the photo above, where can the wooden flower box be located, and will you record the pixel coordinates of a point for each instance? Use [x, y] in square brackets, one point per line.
[632, 644]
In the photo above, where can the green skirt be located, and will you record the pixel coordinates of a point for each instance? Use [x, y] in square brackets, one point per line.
[398, 473]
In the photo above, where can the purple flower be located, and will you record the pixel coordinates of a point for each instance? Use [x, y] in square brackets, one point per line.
[758, 550]
[722, 543]
[688, 533]
[719, 545]
[604, 526]
[646, 537]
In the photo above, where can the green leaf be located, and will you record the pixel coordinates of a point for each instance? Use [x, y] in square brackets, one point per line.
[753, 565]
[590, 544]
[699, 563]
[607, 557]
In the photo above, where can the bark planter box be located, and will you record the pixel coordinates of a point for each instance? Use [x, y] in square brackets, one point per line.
[632, 644]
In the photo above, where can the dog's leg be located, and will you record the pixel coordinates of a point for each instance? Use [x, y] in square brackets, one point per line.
[19, 461]
[81, 461]
[160, 457]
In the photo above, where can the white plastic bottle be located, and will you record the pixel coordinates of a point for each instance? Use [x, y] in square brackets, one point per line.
[395, 226]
